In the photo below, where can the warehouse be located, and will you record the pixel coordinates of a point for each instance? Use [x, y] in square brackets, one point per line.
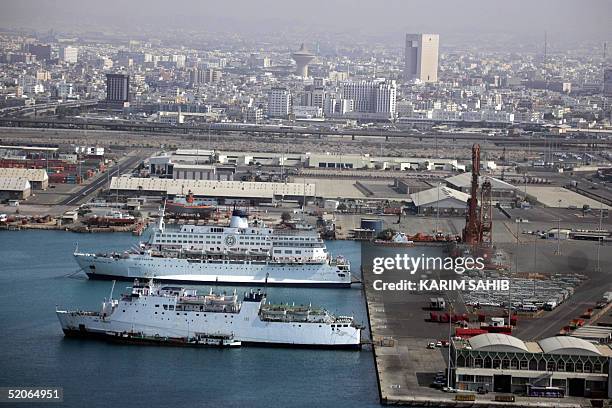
[444, 199]
[202, 172]
[355, 161]
[38, 178]
[253, 192]
[559, 365]
[501, 192]
[14, 188]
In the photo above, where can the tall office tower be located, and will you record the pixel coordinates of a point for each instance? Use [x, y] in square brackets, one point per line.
[279, 103]
[421, 57]
[69, 54]
[117, 88]
[607, 88]
[378, 96]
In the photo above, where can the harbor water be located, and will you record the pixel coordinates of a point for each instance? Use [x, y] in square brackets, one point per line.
[38, 274]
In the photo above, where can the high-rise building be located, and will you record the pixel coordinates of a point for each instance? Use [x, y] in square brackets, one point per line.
[42, 52]
[69, 54]
[117, 88]
[313, 96]
[607, 88]
[198, 76]
[378, 96]
[421, 58]
[279, 103]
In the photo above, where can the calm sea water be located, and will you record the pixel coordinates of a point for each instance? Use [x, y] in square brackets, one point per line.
[35, 269]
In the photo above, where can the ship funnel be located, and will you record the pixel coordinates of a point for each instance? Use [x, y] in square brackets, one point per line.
[239, 219]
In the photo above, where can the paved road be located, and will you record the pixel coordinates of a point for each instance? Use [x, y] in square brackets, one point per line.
[127, 165]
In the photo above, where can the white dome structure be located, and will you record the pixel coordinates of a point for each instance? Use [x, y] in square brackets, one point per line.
[568, 345]
[498, 343]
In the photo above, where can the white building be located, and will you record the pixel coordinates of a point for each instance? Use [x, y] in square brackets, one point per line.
[171, 118]
[279, 103]
[307, 112]
[69, 54]
[421, 58]
[441, 198]
[378, 96]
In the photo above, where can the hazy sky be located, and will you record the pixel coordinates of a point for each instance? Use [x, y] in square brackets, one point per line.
[586, 19]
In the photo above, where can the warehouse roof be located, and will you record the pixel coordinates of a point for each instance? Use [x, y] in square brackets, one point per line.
[568, 345]
[497, 342]
[29, 174]
[598, 334]
[187, 166]
[431, 196]
[213, 187]
[194, 152]
[464, 180]
[14, 184]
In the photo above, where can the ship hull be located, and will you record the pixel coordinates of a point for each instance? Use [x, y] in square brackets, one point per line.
[77, 334]
[179, 209]
[197, 272]
[209, 281]
[244, 327]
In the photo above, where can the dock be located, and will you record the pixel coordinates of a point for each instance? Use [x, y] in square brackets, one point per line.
[405, 367]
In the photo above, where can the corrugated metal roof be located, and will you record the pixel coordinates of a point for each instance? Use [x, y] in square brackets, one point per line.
[14, 184]
[431, 196]
[464, 180]
[30, 174]
[497, 342]
[568, 345]
[213, 187]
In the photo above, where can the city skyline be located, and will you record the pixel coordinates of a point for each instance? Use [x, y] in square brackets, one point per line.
[564, 20]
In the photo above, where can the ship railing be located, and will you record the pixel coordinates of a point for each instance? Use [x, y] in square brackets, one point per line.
[85, 313]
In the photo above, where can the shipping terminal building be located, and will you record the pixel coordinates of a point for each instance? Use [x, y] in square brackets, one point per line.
[228, 192]
[553, 367]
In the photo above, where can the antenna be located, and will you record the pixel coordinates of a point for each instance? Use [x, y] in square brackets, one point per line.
[545, 46]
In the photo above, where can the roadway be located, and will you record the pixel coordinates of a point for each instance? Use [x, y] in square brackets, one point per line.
[296, 131]
[128, 164]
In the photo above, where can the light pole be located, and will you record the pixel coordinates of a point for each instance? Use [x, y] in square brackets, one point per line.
[558, 237]
[437, 209]
[599, 239]
[450, 331]
[559, 231]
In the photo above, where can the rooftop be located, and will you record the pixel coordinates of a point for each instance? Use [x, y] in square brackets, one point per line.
[568, 345]
[464, 180]
[213, 188]
[29, 174]
[432, 195]
[497, 342]
[14, 184]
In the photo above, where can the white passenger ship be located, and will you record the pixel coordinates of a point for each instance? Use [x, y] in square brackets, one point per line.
[178, 316]
[237, 254]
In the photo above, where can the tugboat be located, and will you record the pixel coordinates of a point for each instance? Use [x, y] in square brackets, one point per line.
[188, 205]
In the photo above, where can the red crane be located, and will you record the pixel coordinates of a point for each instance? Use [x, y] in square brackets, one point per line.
[472, 233]
[478, 221]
